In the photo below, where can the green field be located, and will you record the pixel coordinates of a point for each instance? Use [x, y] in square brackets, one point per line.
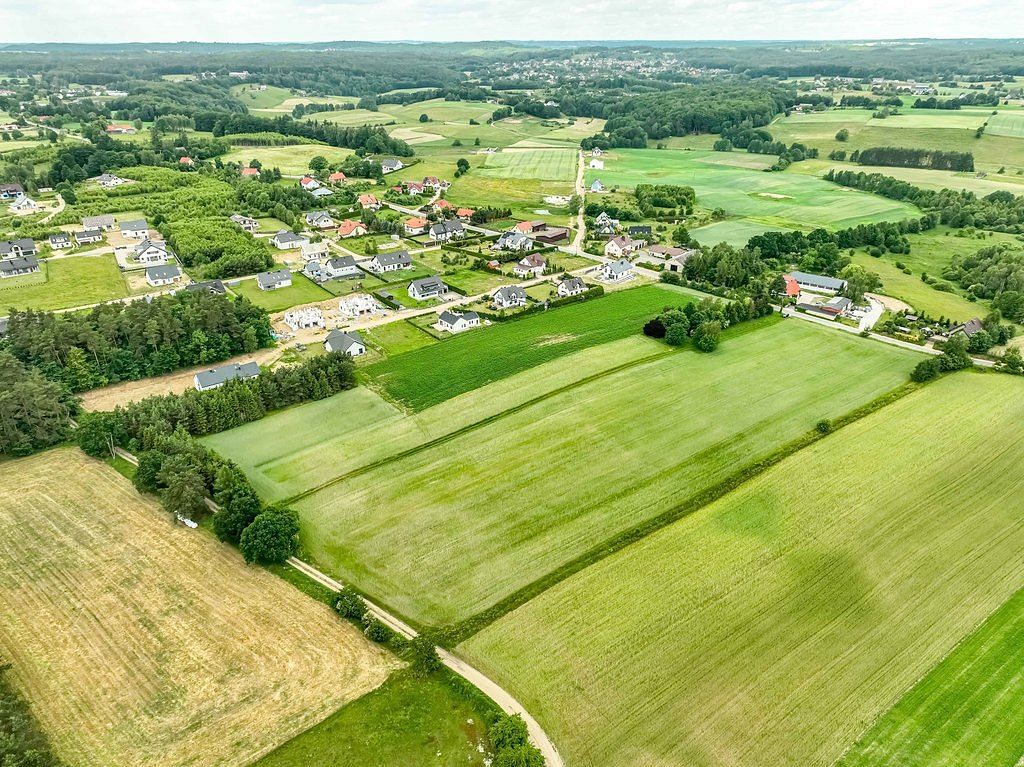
[397, 337]
[733, 181]
[448, 530]
[736, 232]
[964, 711]
[257, 99]
[292, 160]
[1006, 124]
[63, 283]
[773, 626]
[427, 376]
[539, 164]
[301, 291]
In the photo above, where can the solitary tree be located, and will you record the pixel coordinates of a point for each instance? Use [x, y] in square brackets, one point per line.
[842, 134]
[272, 537]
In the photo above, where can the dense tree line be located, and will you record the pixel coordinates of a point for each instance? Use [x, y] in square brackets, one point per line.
[995, 273]
[216, 245]
[902, 157]
[78, 161]
[124, 342]
[870, 102]
[702, 323]
[999, 211]
[307, 108]
[364, 139]
[22, 741]
[35, 412]
[976, 98]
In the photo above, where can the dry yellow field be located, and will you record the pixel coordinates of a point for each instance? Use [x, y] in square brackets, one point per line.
[142, 643]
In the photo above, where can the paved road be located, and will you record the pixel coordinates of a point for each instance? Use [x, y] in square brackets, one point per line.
[478, 679]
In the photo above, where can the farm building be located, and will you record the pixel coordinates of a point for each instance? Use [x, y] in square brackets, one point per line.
[620, 246]
[279, 278]
[818, 282]
[158, 276]
[508, 297]
[456, 322]
[427, 287]
[391, 165]
[215, 377]
[349, 343]
[833, 308]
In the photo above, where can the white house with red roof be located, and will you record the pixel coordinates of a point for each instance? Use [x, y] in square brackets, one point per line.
[369, 202]
[349, 228]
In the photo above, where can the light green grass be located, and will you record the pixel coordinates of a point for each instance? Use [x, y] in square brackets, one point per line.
[774, 625]
[292, 160]
[770, 200]
[63, 283]
[397, 337]
[964, 710]
[539, 164]
[425, 377]
[1006, 124]
[736, 232]
[301, 291]
[256, 99]
[449, 531]
[311, 456]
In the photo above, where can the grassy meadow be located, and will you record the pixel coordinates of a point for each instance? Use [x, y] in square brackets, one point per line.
[775, 625]
[292, 160]
[443, 531]
[301, 291]
[65, 282]
[138, 641]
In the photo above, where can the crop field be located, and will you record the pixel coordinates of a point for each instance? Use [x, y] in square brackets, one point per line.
[427, 376]
[138, 641]
[301, 291]
[926, 179]
[540, 164]
[1006, 124]
[773, 626]
[65, 282]
[773, 200]
[288, 453]
[963, 711]
[733, 231]
[448, 530]
[292, 160]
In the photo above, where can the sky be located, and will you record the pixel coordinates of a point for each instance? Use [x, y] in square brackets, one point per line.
[388, 20]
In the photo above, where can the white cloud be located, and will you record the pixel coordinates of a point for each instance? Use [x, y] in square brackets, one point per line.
[308, 20]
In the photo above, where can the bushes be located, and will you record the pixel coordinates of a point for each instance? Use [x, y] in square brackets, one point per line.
[272, 537]
[511, 741]
[218, 246]
[703, 322]
[22, 741]
[926, 370]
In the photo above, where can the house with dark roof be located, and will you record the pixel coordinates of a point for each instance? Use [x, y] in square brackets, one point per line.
[968, 329]
[391, 165]
[278, 278]
[640, 232]
[390, 262]
[818, 282]
[508, 297]
[213, 287]
[136, 230]
[513, 240]
[11, 191]
[427, 287]
[215, 377]
[349, 343]
[17, 248]
[284, 240]
[105, 222]
[152, 253]
[158, 276]
[571, 286]
[319, 219]
[89, 236]
[832, 309]
[17, 266]
[456, 322]
[60, 241]
[450, 229]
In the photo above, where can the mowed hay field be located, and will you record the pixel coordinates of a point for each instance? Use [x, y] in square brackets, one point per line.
[140, 642]
[443, 532]
[542, 164]
[291, 160]
[775, 625]
[965, 711]
[726, 180]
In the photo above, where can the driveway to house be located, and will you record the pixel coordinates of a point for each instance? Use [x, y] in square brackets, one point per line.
[477, 678]
[873, 315]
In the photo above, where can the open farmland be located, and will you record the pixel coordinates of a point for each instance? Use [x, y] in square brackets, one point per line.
[773, 626]
[541, 164]
[292, 160]
[442, 532]
[769, 200]
[430, 375]
[965, 710]
[140, 642]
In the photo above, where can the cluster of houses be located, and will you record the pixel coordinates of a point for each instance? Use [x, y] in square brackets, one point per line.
[429, 185]
[17, 258]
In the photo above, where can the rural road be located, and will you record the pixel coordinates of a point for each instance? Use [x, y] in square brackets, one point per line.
[485, 684]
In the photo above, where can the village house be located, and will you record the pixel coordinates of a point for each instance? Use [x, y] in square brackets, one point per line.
[314, 250]
[109, 181]
[135, 230]
[273, 280]
[358, 305]
[213, 287]
[532, 265]
[605, 225]
[596, 152]
[120, 130]
[17, 248]
[641, 234]
[337, 177]
[319, 219]
[349, 343]
[456, 322]
[390, 262]
[597, 187]
[818, 282]
[435, 183]
[247, 223]
[11, 191]
[617, 247]
[158, 276]
[411, 188]
[60, 241]
[152, 253]
[309, 183]
[674, 258]
[571, 286]
[87, 236]
[105, 222]
[369, 202]
[443, 231]
[464, 214]
[322, 192]
[349, 228]
[342, 267]
[391, 165]
[23, 204]
[187, 161]
[616, 271]
[285, 240]
[304, 318]
[529, 227]
[426, 288]
[17, 266]
[513, 241]
[508, 297]
[443, 206]
[215, 377]
[248, 172]
[967, 329]
[414, 226]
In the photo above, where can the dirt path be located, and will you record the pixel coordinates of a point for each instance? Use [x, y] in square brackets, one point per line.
[478, 679]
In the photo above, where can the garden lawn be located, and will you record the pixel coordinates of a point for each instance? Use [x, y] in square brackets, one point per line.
[425, 377]
[964, 711]
[773, 626]
[301, 291]
[447, 531]
[63, 283]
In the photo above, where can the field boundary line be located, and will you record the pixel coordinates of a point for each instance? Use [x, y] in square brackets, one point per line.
[501, 697]
[459, 632]
[469, 428]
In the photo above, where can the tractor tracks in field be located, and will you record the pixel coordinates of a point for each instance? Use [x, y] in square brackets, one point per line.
[469, 428]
